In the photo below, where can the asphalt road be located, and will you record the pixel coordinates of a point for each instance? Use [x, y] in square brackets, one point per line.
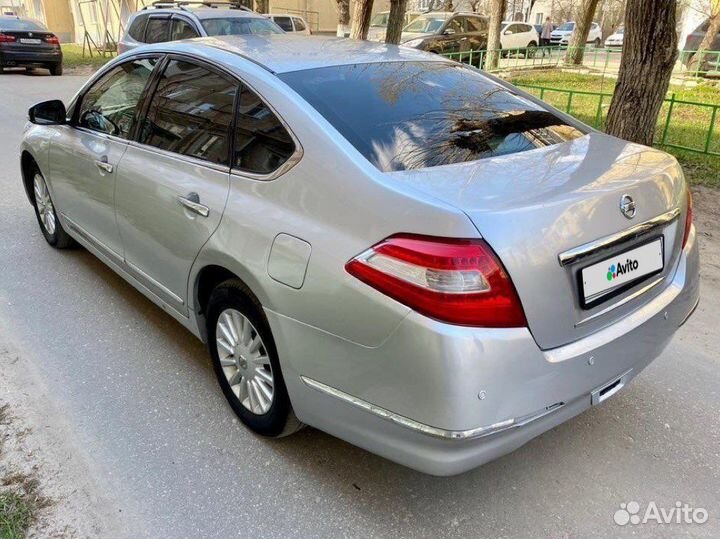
[141, 397]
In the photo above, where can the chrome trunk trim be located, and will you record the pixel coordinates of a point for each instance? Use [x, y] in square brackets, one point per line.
[594, 247]
[477, 432]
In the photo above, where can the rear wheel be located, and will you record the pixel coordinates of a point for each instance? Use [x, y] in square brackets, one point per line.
[531, 49]
[245, 361]
[46, 215]
[56, 70]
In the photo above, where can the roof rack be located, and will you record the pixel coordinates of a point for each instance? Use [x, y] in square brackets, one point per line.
[182, 4]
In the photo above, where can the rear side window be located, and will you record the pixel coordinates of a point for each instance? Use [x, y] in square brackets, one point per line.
[190, 112]
[299, 24]
[110, 105]
[137, 28]
[157, 30]
[262, 144]
[182, 29]
[284, 22]
[231, 26]
[413, 115]
[476, 24]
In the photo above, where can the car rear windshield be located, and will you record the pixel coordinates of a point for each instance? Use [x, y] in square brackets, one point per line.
[231, 26]
[408, 115]
[21, 25]
[426, 24]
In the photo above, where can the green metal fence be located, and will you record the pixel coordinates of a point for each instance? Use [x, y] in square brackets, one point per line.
[690, 64]
[683, 125]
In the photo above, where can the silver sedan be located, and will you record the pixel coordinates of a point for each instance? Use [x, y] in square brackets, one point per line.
[392, 247]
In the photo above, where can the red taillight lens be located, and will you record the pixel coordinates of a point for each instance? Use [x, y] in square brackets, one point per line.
[456, 281]
[53, 40]
[4, 38]
[688, 217]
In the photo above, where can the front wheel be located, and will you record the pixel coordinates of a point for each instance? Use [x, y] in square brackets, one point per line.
[246, 363]
[531, 49]
[46, 215]
[56, 70]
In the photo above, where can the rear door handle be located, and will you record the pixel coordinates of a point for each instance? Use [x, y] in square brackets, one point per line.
[102, 164]
[192, 202]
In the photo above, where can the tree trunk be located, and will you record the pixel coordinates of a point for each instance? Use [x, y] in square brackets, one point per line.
[649, 53]
[713, 29]
[497, 8]
[395, 21]
[261, 6]
[583, 21]
[343, 9]
[361, 12]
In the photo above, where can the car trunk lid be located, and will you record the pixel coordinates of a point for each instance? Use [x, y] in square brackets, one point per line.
[531, 207]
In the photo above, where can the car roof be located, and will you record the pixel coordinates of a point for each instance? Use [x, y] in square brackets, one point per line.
[282, 53]
[206, 12]
[271, 15]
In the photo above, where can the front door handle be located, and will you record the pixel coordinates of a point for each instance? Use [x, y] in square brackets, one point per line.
[192, 202]
[102, 164]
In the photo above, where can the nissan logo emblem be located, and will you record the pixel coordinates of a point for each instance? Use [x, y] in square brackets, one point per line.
[627, 206]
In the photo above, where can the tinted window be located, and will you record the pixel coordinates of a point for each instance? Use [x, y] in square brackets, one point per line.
[476, 24]
[15, 24]
[157, 30]
[413, 114]
[426, 24]
[111, 103]
[137, 28]
[299, 24]
[455, 25]
[182, 29]
[240, 25]
[262, 143]
[190, 112]
[284, 22]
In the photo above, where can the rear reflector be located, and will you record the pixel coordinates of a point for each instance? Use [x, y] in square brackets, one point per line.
[453, 280]
[4, 38]
[688, 217]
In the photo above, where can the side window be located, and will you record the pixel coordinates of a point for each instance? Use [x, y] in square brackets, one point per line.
[262, 144]
[137, 28]
[190, 112]
[299, 24]
[456, 25]
[109, 106]
[510, 29]
[157, 30]
[474, 24]
[182, 29]
[285, 23]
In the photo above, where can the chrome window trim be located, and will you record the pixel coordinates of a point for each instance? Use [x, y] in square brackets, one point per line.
[594, 247]
[179, 156]
[445, 434]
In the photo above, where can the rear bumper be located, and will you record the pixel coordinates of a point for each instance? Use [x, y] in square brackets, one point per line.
[23, 58]
[444, 399]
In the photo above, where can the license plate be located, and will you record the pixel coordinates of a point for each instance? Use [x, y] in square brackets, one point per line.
[620, 271]
[30, 41]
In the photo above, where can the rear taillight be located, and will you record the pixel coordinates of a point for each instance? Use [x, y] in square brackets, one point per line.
[53, 40]
[688, 217]
[5, 38]
[452, 280]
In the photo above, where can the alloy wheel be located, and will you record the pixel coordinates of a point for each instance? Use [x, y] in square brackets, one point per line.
[45, 207]
[245, 362]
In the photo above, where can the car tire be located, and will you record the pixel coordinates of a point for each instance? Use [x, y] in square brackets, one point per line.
[56, 70]
[597, 42]
[531, 49]
[46, 214]
[248, 370]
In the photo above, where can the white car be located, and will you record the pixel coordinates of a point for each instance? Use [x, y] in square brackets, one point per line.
[562, 34]
[616, 39]
[518, 35]
[292, 24]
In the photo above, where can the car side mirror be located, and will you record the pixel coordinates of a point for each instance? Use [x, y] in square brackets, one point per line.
[508, 32]
[449, 32]
[48, 113]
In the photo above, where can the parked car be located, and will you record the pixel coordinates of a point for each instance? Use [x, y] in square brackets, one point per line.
[518, 35]
[28, 43]
[446, 32]
[379, 22]
[708, 60]
[561, 36]
[251, 186]
[293, 24]
[172, 21]
[615, 40]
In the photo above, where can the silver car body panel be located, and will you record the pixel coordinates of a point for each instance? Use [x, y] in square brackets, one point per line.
[358, 364]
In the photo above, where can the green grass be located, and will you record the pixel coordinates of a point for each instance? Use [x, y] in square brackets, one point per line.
[688, 127]
[73, 57]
